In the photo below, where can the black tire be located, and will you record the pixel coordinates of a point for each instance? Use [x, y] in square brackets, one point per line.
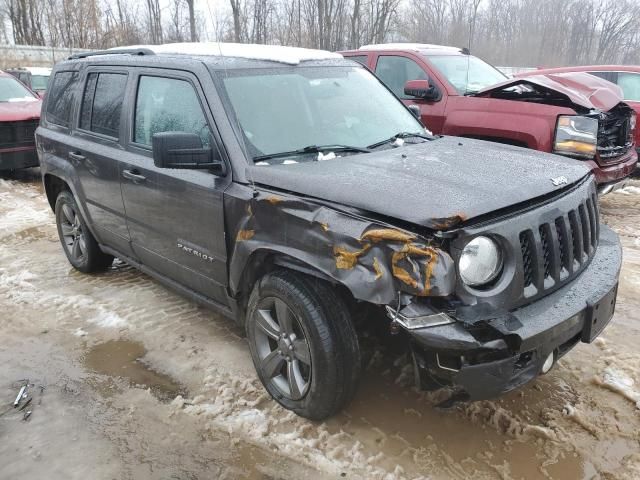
[79, 245]
[323, 319]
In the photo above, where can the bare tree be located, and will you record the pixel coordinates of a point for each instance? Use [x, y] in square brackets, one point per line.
[508, 32]
[192, 20]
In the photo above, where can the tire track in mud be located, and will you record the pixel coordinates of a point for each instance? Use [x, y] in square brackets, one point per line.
[568, 424]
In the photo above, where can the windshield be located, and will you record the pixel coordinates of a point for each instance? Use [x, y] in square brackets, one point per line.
[11, 90]
[467, 74]
[39, 82]
[288, 108]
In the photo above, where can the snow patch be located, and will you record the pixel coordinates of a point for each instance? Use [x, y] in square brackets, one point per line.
[274, 53]
[107, 319]
[630, 190]
[620, 383]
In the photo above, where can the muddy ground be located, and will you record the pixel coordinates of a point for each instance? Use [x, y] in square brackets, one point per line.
[138, 383]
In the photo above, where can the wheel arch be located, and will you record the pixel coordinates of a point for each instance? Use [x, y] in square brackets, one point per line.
[262, 261]
[53, 185]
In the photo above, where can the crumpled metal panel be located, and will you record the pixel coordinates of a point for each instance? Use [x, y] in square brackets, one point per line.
[373, 261]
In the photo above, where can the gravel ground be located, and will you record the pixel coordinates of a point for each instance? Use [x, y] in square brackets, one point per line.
[140, 383]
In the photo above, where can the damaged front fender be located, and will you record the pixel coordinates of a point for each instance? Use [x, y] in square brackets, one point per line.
[374, 261]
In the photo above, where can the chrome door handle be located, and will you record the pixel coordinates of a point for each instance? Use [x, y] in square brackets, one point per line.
[134, 176]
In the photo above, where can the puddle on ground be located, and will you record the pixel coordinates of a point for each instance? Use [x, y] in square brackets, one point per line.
[122, 358]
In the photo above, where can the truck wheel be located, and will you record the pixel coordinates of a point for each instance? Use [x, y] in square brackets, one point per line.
[303, 344]
[78, 243]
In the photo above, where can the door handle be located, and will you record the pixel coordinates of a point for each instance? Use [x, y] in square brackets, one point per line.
[134, 176]
[76, 157]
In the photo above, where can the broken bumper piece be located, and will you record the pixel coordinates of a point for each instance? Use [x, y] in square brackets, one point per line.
[491, 357]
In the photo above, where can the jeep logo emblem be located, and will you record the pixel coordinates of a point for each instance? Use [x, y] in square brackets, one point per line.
[559, 181]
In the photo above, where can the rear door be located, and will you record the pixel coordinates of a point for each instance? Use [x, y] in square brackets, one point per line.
[95, 151]
[87, 159]
[175, 217]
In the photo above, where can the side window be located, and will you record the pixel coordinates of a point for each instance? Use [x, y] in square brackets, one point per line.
[630, 85]
[359, 58]
[102, 103]
[396, 71]
[168, 105]
[60, 98]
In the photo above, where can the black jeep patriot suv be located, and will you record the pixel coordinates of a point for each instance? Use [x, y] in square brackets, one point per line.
[289, 189]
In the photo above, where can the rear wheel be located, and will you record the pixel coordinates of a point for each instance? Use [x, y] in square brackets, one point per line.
[303, 344]
[79, 245]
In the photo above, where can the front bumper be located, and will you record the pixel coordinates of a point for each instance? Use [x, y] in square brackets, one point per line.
[606, 174]
[491, 357]
[19, 157]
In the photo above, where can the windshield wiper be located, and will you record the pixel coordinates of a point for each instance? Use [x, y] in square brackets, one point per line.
[397, 136]
[313, 149]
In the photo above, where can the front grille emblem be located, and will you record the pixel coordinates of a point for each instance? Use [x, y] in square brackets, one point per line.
[559, 181]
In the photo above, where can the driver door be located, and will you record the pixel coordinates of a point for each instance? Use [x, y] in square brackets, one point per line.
[175, 217]
[395, 71]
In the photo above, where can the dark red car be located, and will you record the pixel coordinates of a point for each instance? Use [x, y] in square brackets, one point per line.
[627, 77]
[19, 118]
[571, 114]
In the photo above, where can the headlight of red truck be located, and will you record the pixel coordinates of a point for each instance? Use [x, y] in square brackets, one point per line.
[576, 136]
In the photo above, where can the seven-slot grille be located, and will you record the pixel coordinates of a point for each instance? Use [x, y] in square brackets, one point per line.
[553, 252]
[18, 134]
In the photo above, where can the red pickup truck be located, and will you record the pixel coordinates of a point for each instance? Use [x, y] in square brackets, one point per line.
[19, 118]
[572, 114]
[627, 77]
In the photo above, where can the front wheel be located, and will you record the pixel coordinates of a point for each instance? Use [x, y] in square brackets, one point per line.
[80, 246]
[303, 344]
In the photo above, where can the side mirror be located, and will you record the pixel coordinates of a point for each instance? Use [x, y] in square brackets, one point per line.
[422, 89]
[184, 150]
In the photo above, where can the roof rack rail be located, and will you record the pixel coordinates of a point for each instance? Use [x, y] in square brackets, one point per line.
[123, 51]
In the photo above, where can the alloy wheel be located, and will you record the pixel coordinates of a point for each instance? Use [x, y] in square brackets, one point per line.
[283, 349]
[72, 233]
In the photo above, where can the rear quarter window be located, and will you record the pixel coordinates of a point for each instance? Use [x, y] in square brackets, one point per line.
[60, 98]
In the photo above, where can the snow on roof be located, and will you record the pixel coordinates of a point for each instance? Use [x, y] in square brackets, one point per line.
[274, 53]
[409, 46]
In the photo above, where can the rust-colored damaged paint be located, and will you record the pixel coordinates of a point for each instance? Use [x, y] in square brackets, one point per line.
[372, 260]
[273, 199]
[388, 234]
[345, 259]
[408, 254]
[448, 222]
[245, 235]
[377, 268]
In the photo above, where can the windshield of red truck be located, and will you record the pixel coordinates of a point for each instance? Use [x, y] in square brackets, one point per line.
[467, 74]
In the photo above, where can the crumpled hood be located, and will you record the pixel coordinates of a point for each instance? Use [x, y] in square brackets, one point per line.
[436, 184]
[17, 111]
[580, 88]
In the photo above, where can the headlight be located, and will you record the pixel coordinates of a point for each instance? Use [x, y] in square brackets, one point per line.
[632, 123]
[480, 262]
[576, 136]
